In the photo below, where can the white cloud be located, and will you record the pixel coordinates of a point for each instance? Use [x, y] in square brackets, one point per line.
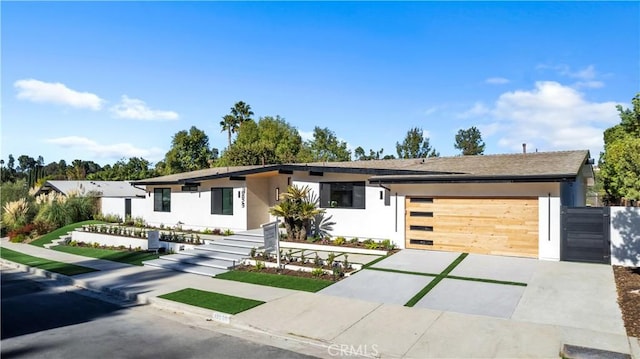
[497, 81]
[135, 109]
[114, 151]
[586, 77]
[550, 116]
[478, 109]
[56, 93]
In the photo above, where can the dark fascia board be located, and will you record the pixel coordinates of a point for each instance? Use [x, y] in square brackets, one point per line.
[289, 169]
[474, 179]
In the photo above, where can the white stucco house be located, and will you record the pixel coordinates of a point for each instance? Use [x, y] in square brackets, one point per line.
[494, 204]
[115, 197]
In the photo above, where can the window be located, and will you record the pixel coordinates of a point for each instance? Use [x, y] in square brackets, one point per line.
[189, 188]
[222, 200]
[342, 195]
[162, 199]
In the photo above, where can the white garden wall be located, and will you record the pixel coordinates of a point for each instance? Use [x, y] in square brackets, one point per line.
[625, 236]
[110, 240]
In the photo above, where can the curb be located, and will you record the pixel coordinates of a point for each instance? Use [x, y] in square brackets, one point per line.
[167, 305]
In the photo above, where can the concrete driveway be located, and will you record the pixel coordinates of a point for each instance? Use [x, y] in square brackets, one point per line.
[567, 294]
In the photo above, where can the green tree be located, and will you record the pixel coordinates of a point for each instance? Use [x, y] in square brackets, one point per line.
[270, 140]
[189, 152]
[360, 155]
[240, 113]
[325, 147]
[415, 145]
[620, 162]
[470, 142]
[133, 169]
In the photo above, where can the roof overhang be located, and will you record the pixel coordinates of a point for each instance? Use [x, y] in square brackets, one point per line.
[413, 179]
[289, 169]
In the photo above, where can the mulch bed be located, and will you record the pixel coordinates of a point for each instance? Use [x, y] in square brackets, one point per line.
[628, 284]
[290, 272]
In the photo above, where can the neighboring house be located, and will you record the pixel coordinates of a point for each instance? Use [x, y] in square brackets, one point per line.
[116, 197]
[493, 204]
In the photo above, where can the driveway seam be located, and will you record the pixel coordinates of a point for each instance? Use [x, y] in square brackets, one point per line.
[416, 298]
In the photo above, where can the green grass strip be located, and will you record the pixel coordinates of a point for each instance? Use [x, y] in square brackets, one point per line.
[49, 237]
[484, 280]
[416, 298]
[211, 300]
[134, 257]
[42, 263]
[276, 280]
[365, 266]
[403, 271]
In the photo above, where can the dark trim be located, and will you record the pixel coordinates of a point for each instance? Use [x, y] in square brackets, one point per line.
[237, 178]
[289, 169]
[473, 179]
[316, 173]
[379, 175]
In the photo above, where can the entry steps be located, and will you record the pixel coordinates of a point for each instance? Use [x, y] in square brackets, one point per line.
[211, 259]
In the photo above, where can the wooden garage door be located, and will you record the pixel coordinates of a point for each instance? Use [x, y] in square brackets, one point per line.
[506, 226]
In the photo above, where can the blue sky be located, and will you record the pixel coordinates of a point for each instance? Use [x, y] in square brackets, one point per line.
[105, 80]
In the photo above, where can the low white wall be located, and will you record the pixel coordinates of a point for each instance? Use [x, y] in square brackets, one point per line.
[110, 240]
[625, 236]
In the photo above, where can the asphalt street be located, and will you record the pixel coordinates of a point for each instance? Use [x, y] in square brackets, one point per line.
[43, 320]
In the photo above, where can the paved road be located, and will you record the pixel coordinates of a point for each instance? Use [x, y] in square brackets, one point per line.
[41, 320]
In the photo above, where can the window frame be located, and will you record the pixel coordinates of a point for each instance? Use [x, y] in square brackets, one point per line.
[330, 192]
[164, 203]
[221, 209]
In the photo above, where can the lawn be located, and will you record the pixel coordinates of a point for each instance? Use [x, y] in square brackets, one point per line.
[47, 238]
[277, 280]
[211, 300]
[42, 263]
[135, 257]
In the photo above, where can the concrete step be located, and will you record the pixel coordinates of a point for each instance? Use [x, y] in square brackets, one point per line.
[214, 255]
[201, 261]
[61, 240]
[246, 238]
[244, 251]
[237, 243]
[184, 267]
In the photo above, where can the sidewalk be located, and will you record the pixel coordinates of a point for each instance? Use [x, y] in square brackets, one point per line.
[337, 326]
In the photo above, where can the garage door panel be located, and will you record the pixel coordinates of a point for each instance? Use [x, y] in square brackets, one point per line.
[477, 225]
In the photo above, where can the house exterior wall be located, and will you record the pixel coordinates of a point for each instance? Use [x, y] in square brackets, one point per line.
[115, 205]
[193, 209]
[375, 221]
[546, 249]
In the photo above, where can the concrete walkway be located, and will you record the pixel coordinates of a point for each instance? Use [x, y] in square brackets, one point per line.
[557, 307]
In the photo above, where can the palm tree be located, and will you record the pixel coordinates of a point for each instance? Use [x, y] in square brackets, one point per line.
[240, 112]
[228, 124]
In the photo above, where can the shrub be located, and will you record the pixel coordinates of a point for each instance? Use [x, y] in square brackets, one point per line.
[217, 232]
[317, 272]
[21, 233]
[317, 261]
[339, 241]
[81, 208]
[54, 212]
[371, 245]
[259, 265]
[388, 245]
[15, 213]
[227, 232]
[354, 240]
[43, 227]
[139, 222]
